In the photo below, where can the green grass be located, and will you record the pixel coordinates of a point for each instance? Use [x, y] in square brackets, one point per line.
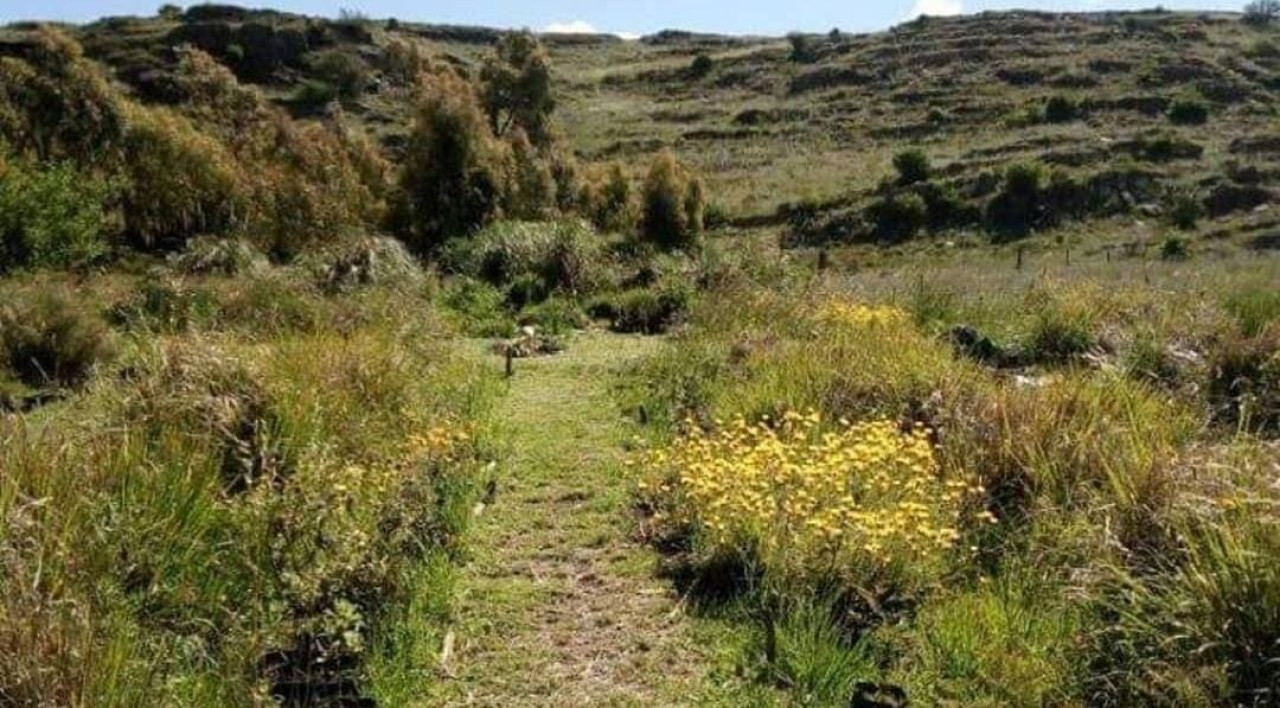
[558, 604]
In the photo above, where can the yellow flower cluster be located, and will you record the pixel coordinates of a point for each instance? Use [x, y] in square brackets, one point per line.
[436, 443]
[801, 493]
[861, 315]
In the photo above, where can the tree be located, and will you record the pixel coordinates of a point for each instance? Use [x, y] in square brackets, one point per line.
[455, 169]
[673, 205]
[1262, 12]
[913, 166]
[516, 91]
[802, 50]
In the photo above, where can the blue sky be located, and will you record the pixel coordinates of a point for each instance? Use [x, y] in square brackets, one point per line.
[620, 16]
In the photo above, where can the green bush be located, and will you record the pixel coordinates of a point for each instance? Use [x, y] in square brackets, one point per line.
[898, 217]
[455, 171]
[802, 48]
[1061, 109]
[1018, 208]
[1062, 329]
[566, 255]
[1174, 249]
[1185, 210]
[913, 166]
[646, 311]
[555, 317]
[608, 202]
[1189, 111]
[52, 338]
[673, 205]
[211, 255]
[702, 66]
[478, 308]
[52, 216]
[343, 70]
[181, 181]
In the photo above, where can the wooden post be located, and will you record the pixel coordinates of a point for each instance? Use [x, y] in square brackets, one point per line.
[824, 260]
[1068, 252]
[1021, 250]
[511, 361]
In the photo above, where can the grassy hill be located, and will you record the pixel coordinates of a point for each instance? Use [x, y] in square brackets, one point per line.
[771, 126]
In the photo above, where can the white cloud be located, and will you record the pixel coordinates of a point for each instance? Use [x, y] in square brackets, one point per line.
[937, 8]
[574, 27]
[582, 27]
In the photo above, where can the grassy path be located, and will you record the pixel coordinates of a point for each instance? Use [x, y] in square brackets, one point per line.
[559, 606]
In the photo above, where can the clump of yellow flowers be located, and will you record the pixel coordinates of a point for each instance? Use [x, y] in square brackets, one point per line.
[861, 315]
[812, 498]
[438, 442]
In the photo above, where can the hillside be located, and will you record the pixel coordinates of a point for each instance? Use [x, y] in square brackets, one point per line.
[769, 129]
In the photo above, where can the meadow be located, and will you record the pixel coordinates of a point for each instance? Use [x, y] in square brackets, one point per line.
[355, 362]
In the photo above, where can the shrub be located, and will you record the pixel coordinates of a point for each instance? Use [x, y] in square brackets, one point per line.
[364, 262]
[673, 205]
[898, 217]
[313, 95]
[1062, 329]
[404, 61]
[555, 317]
[517, 91]
[1174, 249]
[53, 338]
[205, 255]
[702, 66]
[1264, 49]
[1018, 207]
[60, 106]
[608, 201]
[944, 207]
[323, 183]
[565, 256]
[912, 166]
[343, 70]
[646, 311]
[1184, 210]
[1061, 109]
[1189, 111]
[454, 170]
[181, 182]
[532, 192]
[802, 49]
[478, 308]
[52, 216]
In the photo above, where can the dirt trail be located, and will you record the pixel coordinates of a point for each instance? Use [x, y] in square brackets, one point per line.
[559, 606]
